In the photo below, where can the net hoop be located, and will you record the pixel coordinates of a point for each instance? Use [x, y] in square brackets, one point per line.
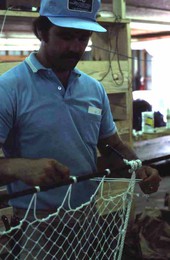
[105, 210]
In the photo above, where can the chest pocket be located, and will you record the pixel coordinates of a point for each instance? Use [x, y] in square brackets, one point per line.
[92, 128]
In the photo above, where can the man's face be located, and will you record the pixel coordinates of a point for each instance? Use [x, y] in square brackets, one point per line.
[65, 47]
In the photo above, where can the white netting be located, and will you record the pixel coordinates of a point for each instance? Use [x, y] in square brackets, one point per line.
[95, 231]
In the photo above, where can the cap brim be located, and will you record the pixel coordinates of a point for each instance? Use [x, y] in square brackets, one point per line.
[77, 23]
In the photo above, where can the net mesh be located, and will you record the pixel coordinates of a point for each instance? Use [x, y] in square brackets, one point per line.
[95, 230]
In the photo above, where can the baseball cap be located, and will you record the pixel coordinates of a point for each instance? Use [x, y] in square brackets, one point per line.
[77, 14]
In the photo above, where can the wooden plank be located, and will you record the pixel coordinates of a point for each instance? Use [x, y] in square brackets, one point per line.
[118, 105]
[111, 45]
[18, 13]
[123, 126]
[124, 130]
[36, 14]
[111, 81]
[119, 8]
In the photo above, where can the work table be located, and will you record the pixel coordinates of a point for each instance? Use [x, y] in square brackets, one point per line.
[153, 150]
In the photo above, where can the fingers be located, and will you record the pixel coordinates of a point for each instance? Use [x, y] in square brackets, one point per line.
[149, 187]
[43, 171]
[150, 180]
[61, 170]
[55, 172]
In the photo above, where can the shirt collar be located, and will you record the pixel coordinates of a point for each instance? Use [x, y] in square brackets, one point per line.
[35, 65]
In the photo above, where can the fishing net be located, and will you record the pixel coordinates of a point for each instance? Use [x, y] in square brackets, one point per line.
[95, 230]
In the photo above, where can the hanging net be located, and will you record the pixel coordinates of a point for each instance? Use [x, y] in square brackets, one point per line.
[95, 230]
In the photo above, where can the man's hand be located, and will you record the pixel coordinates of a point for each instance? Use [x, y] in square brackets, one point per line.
[37, 172]
[150, 179]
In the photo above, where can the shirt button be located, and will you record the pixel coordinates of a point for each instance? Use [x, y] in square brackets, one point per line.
[59, 88]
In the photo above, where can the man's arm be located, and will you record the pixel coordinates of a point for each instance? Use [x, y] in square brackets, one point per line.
[115, 142]
[113, 158]
[34, 172]
[149, 176]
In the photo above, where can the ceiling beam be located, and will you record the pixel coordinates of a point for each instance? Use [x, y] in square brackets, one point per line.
[151, 35]
[147, 14]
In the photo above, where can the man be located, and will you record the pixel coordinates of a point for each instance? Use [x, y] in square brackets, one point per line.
[53, 116]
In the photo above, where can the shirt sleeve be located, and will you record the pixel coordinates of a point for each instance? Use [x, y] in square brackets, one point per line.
[7, 110]
[108, 126]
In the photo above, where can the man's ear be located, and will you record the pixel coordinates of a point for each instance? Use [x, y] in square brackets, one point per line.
[42, 36]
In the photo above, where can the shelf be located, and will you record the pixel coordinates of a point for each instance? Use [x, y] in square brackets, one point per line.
[36, 14]
[112, 20]
[158, 132]
[18, 13]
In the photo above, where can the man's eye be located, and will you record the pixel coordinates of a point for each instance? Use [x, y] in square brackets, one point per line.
[66, 37]
[83, 39]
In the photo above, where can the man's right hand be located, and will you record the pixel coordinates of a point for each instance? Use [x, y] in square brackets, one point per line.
[34, 172]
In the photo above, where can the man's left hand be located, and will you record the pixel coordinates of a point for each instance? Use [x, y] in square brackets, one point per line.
[150, 179]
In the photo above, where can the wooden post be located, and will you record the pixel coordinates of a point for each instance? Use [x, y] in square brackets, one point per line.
[119, 8]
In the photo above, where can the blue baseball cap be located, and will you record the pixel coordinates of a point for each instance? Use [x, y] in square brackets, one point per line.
[77, 14]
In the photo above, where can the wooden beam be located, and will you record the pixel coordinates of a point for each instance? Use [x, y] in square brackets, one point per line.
[18, 13]
[144, 14]
[151, 35]
[119, 8]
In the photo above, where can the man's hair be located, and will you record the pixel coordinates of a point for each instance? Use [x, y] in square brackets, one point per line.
[41, 26]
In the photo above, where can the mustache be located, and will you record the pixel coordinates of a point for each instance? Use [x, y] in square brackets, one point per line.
[71, 55]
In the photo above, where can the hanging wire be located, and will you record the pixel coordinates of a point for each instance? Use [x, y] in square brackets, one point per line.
[120, 54]
[118, 61]
[3, 23]
[111, 57]
[109, 51]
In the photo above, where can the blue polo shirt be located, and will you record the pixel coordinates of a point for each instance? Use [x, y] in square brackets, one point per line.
[39, 118]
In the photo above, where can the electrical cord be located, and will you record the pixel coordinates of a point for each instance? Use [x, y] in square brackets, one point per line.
[3, 23]
[111, 57]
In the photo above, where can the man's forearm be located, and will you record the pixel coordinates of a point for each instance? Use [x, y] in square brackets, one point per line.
[43, 171]
[12, 169]
[125, 151]
[7, 174]
[113, 151]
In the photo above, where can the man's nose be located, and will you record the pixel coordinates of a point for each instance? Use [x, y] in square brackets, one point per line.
[75, 45]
